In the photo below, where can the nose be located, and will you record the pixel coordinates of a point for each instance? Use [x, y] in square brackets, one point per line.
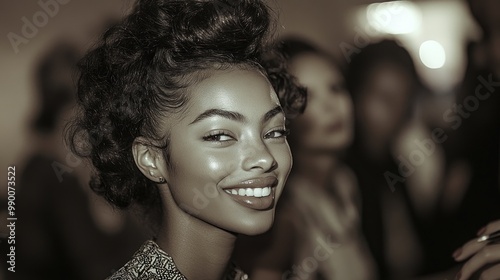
[257, 156]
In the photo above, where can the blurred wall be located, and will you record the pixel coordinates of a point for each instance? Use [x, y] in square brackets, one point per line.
[50, 20]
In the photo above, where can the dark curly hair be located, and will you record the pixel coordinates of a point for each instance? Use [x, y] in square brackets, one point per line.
[140, 71]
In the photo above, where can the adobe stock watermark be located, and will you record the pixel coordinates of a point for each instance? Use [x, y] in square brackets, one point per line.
[201, 199]
[309, 265]
[31, 26]
[454, 116]
[364, 36]
[71, 161]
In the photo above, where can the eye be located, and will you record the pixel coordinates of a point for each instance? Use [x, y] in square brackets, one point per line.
[277, 133]
[218, 136]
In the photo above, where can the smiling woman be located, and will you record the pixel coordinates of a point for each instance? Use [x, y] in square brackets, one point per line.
[231, 137]
[181, 103]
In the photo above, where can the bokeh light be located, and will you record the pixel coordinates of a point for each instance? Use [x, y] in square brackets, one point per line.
[432, 54]
[398, 17]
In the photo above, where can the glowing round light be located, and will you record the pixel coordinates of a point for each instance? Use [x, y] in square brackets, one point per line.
[396, 17]
[432, 54]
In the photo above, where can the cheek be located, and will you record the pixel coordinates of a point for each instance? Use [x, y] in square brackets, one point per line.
[220, 164]
[283, 157]
[204, 165]
[373, 111]
[300, 129]
[302, 124]
[377, 113]
[307, 123]
[195, 179]
[379, 119]
[346, 108]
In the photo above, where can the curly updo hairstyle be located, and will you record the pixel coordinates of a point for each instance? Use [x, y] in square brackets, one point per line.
[140, 72]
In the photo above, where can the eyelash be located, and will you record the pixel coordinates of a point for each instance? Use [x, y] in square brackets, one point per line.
[211, 137]
[216, 135]
[284, 133]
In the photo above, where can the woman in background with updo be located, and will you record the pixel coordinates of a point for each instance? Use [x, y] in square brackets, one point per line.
[183, 118]
[317, 233]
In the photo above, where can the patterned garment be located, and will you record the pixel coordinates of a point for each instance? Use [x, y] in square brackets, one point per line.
[150, 262]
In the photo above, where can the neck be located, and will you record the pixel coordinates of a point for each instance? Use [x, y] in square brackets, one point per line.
[376, 149]
[315, 167]
[199, 250]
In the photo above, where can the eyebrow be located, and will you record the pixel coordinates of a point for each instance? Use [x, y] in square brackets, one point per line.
[235, 116]
[271, 113]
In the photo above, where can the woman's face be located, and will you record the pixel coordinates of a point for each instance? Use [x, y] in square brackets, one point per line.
[383, 102]
[229, 156]
[327, 122]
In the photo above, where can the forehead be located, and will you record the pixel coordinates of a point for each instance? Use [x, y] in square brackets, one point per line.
[311, 67]
[244, 90]
[390, 76]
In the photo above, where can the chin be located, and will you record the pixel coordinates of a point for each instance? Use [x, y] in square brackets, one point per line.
[255, 227]
[338, 143]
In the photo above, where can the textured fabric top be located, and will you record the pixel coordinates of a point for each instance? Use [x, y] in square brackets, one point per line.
[150, 262]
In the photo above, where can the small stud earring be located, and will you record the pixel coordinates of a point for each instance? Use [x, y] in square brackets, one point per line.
[161, 179]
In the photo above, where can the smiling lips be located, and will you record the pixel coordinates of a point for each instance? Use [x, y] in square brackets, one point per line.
[257, 194]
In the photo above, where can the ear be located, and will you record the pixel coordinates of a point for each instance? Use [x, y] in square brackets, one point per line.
[149, 160]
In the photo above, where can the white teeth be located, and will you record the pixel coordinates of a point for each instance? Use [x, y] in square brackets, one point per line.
[255, 192]
[266, 191]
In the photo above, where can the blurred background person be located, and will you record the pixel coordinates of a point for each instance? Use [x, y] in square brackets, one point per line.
[399, 167]
[476, 137]
[478, 123]
[476, 120]
[317, 234]
[59, 221]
